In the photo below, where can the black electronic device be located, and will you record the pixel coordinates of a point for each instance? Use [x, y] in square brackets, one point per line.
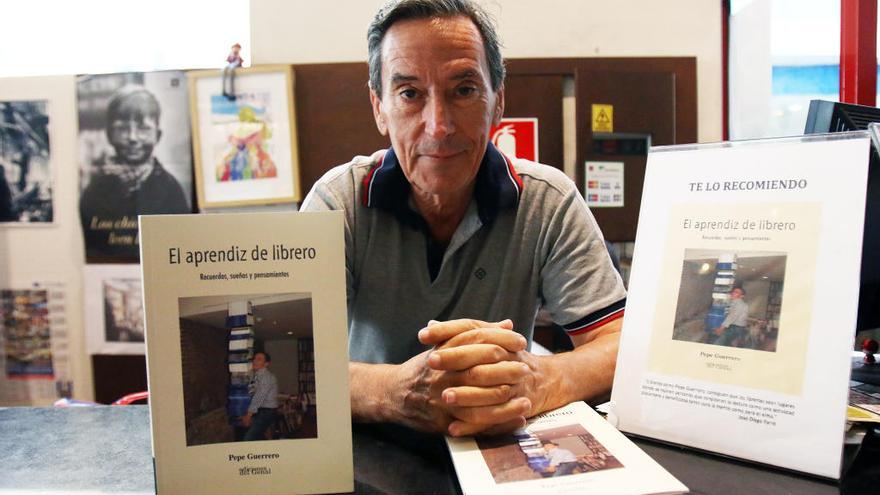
[827, 116]
[621, 143]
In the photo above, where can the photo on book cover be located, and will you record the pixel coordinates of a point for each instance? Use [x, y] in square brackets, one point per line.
[248, 374]
[730, 298]
[531, 454]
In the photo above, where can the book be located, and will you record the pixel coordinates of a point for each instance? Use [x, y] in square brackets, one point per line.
[759, 368]
[227, 299]
[571, 449]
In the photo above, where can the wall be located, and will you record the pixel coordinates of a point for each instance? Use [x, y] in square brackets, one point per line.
[203, 353]
[300, 32]
[285, 364]
[757, 295]
[53, 253]
[695, 292]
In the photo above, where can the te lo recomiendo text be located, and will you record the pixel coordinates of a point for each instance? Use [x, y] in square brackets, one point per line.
[238, 254]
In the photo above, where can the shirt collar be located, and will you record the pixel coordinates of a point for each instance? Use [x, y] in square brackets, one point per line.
[498, 187]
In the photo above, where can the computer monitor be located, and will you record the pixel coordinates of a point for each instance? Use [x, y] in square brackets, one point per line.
[827, 116]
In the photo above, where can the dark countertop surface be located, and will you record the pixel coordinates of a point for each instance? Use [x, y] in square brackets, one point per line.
[106, 449]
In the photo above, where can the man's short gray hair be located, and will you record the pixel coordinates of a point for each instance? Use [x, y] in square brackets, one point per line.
[398, 10]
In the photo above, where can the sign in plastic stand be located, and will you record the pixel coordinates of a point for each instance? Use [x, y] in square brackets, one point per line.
[743, 298]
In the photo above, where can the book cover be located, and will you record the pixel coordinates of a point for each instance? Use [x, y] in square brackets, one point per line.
[742, 302]
[568, 450]
[230, 300]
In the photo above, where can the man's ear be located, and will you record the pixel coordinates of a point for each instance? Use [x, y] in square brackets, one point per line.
[158, 135]
[499, 106]
[378, 113]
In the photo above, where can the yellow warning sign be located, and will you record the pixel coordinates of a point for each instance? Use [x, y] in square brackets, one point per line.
[603, 118]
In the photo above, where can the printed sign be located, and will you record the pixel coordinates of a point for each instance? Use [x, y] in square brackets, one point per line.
[517, 137]
[603, 118]
[604, 187]
[747, 269]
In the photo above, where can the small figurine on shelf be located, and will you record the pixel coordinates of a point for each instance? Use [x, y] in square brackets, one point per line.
[233, 61]
[869, 347]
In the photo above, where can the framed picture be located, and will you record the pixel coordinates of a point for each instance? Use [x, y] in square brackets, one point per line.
[134, 155]
[114, 309]
[244, 137]
[25, 175]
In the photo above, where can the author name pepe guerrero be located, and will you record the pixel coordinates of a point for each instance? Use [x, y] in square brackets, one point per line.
[709, 355]
[252, 457]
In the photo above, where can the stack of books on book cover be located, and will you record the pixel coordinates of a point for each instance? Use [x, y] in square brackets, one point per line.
[725, 277]
[241, 352]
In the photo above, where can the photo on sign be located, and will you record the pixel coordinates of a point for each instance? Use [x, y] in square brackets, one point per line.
[26, 332]
[248, 376]
[135, 157]
[25, 176]
[533, 454]
[730, 298]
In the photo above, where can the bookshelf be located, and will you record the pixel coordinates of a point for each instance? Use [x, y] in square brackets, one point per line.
[307, 369]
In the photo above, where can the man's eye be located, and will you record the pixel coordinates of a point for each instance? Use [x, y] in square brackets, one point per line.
[408, 93]
[465, 90]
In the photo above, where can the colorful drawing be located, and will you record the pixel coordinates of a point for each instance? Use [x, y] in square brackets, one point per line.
[248, 154]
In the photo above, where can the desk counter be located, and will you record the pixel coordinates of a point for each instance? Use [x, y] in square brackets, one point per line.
[107, 450]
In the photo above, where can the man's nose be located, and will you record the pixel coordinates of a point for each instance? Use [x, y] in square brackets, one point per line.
[438, 118]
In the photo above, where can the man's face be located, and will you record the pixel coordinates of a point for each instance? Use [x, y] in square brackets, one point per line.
[736, 294]
[134, 139]
[549, 446]
[437, 103]
[259, 361]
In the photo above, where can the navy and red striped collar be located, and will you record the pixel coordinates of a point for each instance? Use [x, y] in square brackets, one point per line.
[498, 186]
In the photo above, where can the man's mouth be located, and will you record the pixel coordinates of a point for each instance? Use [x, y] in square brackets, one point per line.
[442, 155]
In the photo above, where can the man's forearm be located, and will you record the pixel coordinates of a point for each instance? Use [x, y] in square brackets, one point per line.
[586, 373]
[371, 392]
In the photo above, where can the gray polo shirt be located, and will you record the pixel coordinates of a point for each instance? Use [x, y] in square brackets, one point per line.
[737, 314]
[527, 240]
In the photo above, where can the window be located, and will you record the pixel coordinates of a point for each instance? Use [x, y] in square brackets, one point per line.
[783, 53]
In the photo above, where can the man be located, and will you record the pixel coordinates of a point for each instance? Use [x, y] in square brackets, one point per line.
[131, 182]
[263, 408]
[735, 326]
[562, 461]
[442, 228]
